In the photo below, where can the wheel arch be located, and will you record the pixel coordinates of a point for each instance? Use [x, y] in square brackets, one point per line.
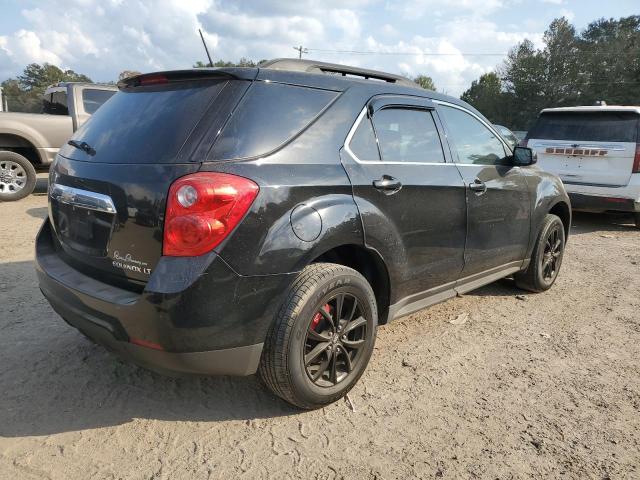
[563, 210]
[20, 145]
[370, 265]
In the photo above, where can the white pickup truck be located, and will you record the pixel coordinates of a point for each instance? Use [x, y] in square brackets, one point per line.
[596, 153]
[33, 139]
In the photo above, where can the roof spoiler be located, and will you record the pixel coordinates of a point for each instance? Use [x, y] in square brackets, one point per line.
[312, 66]
[170, 76]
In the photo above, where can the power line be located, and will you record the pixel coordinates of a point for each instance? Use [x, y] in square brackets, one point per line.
[464, 54]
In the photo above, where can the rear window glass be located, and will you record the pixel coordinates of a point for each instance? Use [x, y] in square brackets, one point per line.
[587, 126]
[145, 125]
[269, 115]
[93, 99]
[56, 103]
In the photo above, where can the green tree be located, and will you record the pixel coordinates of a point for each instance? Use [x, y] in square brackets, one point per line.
[487, 95]
[425, 82]
[24, 93]
[600, 63]
[610, 60]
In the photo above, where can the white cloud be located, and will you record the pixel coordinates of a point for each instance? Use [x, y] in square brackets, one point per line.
[103, 37]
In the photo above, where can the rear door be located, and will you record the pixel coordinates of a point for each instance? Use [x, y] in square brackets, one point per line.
[591, 148]
[411, 201]
[498, 204]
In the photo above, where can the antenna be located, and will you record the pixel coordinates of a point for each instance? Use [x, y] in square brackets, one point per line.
[205, 48]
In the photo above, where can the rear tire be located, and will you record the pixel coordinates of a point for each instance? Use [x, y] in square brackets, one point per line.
[546, 259]
[322, 338]
[17, 176]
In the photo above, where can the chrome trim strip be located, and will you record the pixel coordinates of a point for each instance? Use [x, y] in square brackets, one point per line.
[489, 126]
[562, 144]
[82, 198]
[347, 148]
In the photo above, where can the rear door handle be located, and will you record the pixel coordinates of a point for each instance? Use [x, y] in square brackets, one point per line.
[478, 186]
[387, 185]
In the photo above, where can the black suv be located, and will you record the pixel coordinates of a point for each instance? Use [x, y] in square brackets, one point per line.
[229, 221]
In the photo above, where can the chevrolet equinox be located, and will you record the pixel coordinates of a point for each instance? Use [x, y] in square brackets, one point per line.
[241, 220]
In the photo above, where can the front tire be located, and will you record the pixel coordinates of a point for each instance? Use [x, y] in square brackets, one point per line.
[547, 256]
[322, 337]
[17, 176]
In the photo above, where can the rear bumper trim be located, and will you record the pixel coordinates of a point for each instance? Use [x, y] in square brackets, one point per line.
[597, 203]
[241, 360]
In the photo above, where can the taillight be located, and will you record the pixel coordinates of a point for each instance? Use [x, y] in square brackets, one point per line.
[153, 79]
[636, 160]
[202, 209]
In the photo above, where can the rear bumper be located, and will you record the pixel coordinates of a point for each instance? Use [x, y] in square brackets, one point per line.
[600, 199]
[214, 325]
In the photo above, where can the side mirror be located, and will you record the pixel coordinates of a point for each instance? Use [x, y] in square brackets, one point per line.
[523, 156]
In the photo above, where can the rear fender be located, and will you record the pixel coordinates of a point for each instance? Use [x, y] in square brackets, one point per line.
[547, 193]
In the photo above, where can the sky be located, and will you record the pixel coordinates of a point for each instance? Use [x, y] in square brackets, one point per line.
[452, 41]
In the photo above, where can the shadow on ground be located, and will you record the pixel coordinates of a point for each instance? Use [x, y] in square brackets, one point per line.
[54, 380]
[584, 222]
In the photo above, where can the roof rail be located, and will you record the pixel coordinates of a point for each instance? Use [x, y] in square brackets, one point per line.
[312, 66]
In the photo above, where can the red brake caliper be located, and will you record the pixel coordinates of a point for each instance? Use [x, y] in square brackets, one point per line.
[318, 317]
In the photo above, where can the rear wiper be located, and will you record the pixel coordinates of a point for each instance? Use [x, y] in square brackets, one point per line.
[84, 146]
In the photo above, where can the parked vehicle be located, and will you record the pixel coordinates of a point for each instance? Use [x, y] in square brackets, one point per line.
[242, 220]
[508, 135]
[520, 134]
[596, 153]
[32, 139]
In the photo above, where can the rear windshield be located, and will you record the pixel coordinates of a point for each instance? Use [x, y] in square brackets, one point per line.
[269, 115]
[145, 124]
[587, 126]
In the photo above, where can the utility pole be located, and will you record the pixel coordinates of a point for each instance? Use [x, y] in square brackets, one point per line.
[300, 50]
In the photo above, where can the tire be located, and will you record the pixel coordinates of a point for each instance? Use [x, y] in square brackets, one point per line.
[636, 217]
[301, 330]
[17, 176]
[546, 260]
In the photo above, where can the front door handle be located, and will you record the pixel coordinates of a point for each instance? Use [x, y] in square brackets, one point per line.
[478, 186]
[387, 185]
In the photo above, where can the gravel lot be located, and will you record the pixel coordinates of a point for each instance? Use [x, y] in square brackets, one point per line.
[529, 386]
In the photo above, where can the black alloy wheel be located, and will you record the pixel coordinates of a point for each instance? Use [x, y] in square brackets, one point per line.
[336, 333]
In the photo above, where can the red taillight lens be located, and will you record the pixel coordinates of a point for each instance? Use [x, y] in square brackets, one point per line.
[202, 209]
[636, 160]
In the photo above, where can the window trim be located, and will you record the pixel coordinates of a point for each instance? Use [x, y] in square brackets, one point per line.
[491, 129]
[363, 114]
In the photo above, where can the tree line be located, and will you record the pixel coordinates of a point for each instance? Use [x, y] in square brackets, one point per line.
[24, 93]
[601, 63]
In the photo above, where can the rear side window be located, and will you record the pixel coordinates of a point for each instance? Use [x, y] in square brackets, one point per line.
[146, 124]
[269, 115]
[93, 99]
[407, 135]
[363, 143]
[474, 143]
[56, 103]
[587, 126]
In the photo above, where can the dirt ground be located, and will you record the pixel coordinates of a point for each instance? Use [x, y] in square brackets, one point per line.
[531, 386]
